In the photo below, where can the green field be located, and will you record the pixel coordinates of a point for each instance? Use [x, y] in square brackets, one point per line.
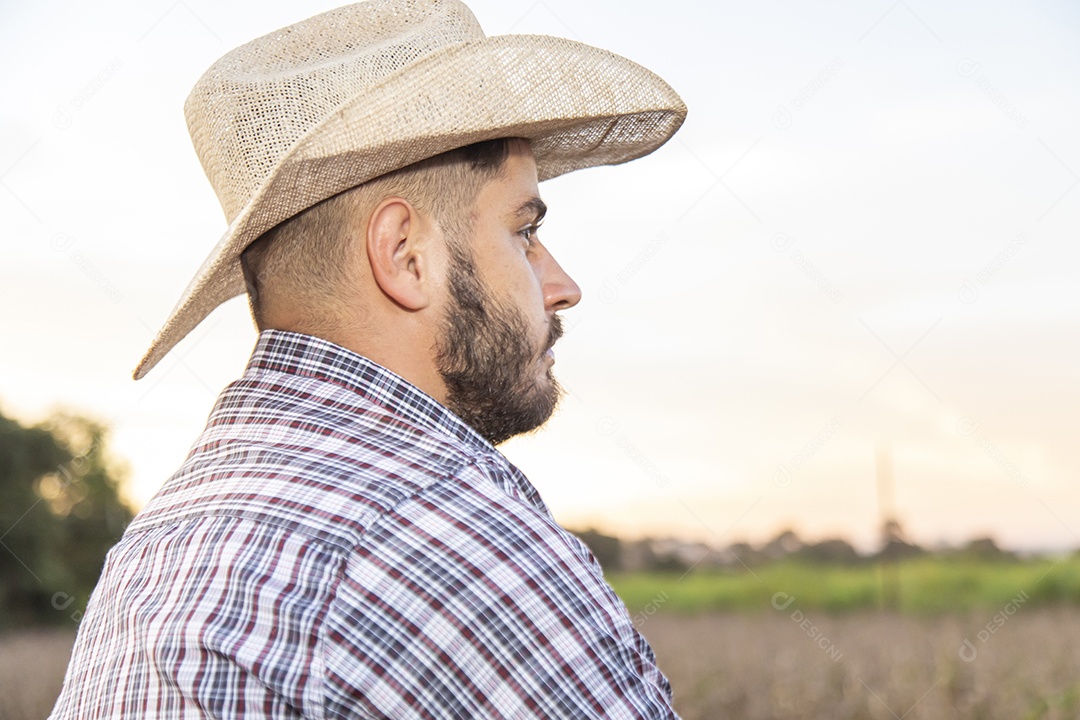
[924, 585]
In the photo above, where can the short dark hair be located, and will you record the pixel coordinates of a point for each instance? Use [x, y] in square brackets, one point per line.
[303, 259]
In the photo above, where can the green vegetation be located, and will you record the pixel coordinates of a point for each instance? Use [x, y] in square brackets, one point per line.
[926, 585]
[60, 512]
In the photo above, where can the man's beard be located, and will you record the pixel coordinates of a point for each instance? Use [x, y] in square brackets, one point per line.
[487, 360]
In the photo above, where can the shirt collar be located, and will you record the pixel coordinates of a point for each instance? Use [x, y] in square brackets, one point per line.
[309, 356]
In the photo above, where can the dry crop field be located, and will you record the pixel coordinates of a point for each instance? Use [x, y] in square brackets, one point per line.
[781, 665]
[787, 665]
[32, 665]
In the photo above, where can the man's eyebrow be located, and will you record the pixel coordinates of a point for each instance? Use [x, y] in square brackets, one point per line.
[534, 207]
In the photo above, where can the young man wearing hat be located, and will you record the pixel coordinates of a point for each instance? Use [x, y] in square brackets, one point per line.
[344, 540]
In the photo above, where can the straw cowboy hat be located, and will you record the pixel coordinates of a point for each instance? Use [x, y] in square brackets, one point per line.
[327, 104]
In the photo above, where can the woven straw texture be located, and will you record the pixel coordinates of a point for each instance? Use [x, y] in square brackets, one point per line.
[316, 108]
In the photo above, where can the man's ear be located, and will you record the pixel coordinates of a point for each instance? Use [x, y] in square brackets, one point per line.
[401, 251]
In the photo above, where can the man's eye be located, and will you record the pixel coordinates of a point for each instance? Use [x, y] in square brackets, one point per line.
[529, 233]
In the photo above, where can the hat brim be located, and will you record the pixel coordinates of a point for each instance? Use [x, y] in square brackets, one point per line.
[580, 107]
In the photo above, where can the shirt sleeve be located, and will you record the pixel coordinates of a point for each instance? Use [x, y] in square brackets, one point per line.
[467, 602]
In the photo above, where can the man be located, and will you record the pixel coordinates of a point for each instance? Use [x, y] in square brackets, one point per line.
[344, 540]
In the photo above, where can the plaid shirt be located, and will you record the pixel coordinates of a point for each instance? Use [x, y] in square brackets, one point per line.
[339, 545]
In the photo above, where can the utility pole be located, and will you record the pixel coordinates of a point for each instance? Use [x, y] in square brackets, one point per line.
[891, 533]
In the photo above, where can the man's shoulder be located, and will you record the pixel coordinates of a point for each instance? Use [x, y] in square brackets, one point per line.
[307, 454]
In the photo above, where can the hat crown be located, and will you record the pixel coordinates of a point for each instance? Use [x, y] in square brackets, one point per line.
[256, 102]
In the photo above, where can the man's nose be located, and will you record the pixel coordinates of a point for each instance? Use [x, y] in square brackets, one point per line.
[560, 290]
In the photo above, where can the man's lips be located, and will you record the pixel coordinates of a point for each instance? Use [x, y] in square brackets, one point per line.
[554, 333]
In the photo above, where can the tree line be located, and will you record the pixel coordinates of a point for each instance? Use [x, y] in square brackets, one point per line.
[665, 554]
[60, 512]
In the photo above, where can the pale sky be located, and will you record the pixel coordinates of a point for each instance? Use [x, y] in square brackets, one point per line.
[865, 232]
